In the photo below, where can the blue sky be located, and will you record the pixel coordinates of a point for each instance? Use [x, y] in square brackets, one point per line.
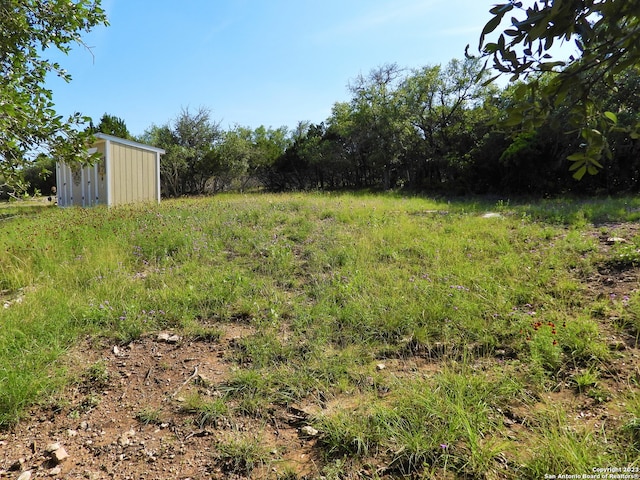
[253, 62]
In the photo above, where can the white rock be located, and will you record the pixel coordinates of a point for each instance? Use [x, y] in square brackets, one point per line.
[55, 471]
[26, 475]
[52, 447]
[309, 430]
[59, 456]
[381, 366]
[163, 337]
[123, 440]
[117, 352]
[612, 240]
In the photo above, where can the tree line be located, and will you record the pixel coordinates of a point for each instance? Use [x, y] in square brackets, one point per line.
[437, 129]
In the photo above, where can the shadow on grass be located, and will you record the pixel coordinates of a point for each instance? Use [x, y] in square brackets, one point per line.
[27, 208]
[558, 211]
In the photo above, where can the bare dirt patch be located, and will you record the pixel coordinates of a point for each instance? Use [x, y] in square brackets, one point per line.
[124, 419]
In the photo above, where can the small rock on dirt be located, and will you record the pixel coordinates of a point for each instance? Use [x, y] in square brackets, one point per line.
[55, 471]
[26, 475]
[52, 447]
[168, 338]
[614, 240]
[60, 455]
[124, 439]
[309, 431]
[163, 337]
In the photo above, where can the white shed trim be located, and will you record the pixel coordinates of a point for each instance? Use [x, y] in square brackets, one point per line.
[107, 168]
[130, 143]
[158, 173]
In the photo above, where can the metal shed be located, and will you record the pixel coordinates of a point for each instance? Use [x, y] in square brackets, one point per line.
[127, 172]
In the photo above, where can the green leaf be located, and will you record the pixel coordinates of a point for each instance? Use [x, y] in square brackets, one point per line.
[577, 157]
[549, 66]
[577, 165]
[490, 27]
[612, 116]
[513, 119]
[580, 173]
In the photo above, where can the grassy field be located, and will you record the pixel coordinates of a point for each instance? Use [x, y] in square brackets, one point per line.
[428, 338]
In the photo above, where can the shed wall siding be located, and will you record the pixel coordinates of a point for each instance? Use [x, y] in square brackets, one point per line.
[133, 174]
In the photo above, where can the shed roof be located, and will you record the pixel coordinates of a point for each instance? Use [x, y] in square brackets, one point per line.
[130, 143]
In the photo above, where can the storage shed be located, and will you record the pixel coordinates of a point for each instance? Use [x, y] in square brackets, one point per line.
[127, 172]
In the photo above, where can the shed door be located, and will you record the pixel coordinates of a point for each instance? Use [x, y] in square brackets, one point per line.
[85, 186]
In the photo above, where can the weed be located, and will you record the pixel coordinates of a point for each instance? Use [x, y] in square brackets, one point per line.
[90, 402]
[241, 456]
[97, 375]
[206, 411]
[149, 416]
[336, 469]
[204, 333]
[561, 448]
[586, 380]
[624, 256]
[287, 474]
[352, 434]
[631, 431]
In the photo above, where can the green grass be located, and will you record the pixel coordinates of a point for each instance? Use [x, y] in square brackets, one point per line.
[241, 455]
[332, 285]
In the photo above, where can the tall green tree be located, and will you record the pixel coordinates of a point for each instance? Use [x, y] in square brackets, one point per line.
[380, 125]
[173, 164]
[436, 104]
[606, 34]
[112, 125]
[29, 124]
[267, 145]
[237, 152]
[189, 141]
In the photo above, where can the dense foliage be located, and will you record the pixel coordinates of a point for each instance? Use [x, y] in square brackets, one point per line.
[439, 129]
[201, 158]
[449, 129]
[28, 121]
[607, 40]
[111, 125]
